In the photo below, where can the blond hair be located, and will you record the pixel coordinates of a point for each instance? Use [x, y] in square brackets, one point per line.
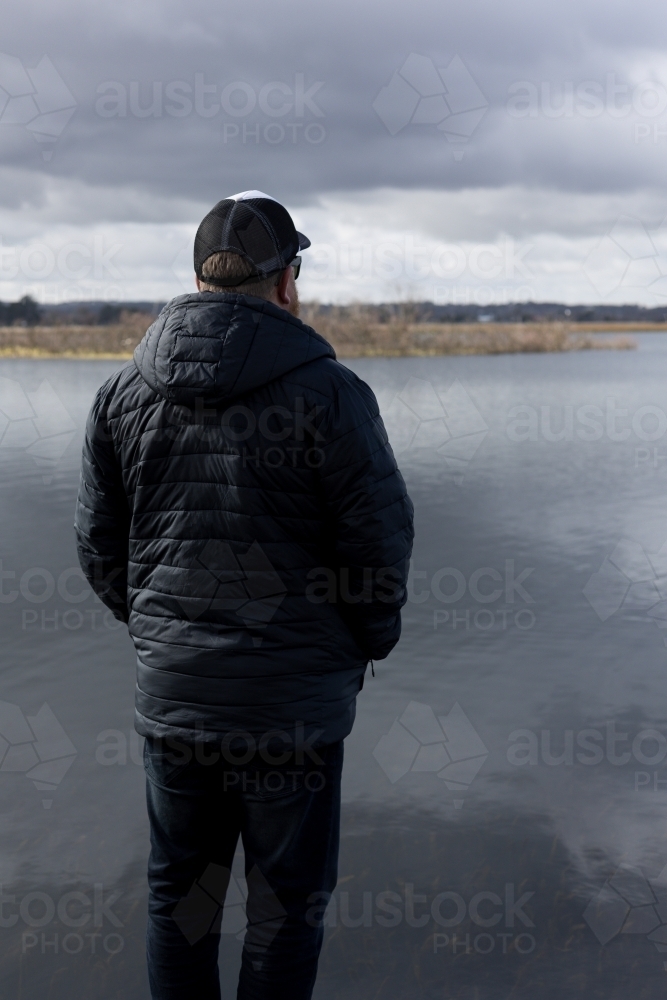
[227, 266]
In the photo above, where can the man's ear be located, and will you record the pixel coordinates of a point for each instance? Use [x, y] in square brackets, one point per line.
[282, 288]
[198, 283]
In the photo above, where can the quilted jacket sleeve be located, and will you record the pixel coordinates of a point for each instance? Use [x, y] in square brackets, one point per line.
[102, 515]
[369, 518]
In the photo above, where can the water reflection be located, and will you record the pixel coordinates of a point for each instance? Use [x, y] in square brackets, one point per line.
[517, 736]
[491, 904]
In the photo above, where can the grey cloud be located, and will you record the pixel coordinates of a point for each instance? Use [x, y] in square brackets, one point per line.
[354, 50]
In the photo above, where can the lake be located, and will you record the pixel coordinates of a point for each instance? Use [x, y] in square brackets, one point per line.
[505, 788]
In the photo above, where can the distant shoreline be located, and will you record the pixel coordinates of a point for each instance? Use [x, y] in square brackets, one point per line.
[352, 336]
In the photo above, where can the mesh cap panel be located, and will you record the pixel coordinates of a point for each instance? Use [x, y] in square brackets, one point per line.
[258, 229]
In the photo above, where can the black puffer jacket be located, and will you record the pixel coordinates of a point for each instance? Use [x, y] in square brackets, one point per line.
[240, 508]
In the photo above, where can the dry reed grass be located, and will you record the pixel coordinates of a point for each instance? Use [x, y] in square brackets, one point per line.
[117, 340]
[354, 332]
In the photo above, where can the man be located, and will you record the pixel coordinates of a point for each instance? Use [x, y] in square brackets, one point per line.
[240, 508]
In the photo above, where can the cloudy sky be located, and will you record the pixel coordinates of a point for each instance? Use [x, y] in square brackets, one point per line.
[477, 152]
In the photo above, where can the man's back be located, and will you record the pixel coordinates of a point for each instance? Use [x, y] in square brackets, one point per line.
[241, 509]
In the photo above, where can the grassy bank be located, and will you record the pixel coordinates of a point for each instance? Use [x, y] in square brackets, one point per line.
[115, 341]
[356, 335]
[354, 332]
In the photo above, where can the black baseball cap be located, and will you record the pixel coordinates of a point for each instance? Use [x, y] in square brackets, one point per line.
[253, 225]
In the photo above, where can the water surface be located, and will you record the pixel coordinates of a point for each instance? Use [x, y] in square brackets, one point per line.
[534, 630]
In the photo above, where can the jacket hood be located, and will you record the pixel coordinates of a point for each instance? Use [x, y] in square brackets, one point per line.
[220, 346]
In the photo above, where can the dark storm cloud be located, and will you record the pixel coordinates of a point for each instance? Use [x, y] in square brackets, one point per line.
[144, 120]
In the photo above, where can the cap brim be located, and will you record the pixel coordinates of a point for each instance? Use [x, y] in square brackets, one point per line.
[304, 242]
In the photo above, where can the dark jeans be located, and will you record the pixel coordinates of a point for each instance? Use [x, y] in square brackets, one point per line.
[288, 818]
